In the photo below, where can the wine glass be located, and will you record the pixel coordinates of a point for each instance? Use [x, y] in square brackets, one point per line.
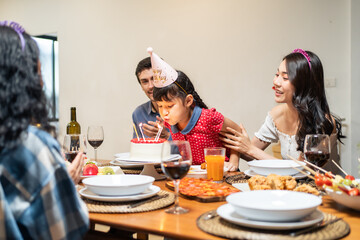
[73, 144]
[95, 136]
[176, 166]
[317, 149]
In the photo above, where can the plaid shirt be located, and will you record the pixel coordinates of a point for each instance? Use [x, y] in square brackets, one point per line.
[38, 199]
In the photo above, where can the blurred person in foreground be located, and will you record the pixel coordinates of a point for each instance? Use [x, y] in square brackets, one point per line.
[38, 199]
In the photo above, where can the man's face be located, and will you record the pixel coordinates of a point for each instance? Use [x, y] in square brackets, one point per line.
[147, 82]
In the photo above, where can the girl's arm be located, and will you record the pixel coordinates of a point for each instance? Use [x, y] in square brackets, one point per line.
[233, 164]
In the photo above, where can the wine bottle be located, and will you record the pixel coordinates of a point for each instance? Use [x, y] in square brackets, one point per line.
[73, 126]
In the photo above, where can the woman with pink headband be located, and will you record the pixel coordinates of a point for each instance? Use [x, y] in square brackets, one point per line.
[299, 87]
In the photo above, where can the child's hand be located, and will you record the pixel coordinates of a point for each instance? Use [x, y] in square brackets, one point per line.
[231, 166]
[151, 129]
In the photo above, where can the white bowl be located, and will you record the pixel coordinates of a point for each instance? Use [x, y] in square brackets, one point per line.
[274, 205]
[118, 185]
[279, 167]
[344, 199]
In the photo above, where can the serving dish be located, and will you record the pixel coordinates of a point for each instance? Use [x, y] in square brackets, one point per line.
[118, 185]
[274, 205]
[344, 199]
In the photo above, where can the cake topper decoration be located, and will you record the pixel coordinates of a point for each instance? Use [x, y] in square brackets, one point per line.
[164, 74]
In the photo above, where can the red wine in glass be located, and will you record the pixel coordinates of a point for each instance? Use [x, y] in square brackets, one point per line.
[317, 149]
[317, 158]
[70, 156]
[95, 143]
[176, 170]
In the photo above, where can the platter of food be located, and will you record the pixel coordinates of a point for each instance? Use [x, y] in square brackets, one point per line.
[203, 190]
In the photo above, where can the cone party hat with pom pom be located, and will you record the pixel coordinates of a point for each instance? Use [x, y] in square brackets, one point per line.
[164, 74]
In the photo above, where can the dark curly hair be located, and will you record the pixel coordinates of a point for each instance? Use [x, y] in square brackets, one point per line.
[309, 97]
[22, 99]
[173, 90]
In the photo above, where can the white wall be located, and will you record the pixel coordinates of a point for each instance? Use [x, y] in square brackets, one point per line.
[229, 48]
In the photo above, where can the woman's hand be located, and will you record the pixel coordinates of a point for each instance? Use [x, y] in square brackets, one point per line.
[75, 167]
[238, 141]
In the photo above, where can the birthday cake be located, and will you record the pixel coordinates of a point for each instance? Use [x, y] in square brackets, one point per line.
[148, 149]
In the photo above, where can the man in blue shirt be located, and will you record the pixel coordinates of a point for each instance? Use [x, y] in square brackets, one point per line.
[147, 113]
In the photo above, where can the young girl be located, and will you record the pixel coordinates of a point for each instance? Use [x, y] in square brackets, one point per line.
[299, 87]
[186, 115]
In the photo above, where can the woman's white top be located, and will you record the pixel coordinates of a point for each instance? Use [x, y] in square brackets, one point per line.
[270, 134]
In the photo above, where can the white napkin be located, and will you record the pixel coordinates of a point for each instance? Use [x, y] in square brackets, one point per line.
[244, 187]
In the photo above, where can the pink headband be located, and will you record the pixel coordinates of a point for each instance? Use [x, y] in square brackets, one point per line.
[299, 50]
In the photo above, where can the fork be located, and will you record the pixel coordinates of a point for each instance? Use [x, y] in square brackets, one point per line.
[211, 215]
[315, 227]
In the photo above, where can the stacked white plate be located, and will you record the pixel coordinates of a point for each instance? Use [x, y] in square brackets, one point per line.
[272, 209]
[119, 188]
[273, 166]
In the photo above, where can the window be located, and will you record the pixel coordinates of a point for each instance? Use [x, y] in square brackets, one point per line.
[48, 46]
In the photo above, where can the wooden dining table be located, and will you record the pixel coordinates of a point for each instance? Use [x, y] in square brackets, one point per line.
[184, 226]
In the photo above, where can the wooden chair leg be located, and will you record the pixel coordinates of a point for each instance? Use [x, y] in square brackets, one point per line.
[142, 236]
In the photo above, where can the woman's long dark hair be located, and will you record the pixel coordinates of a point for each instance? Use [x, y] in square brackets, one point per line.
[22, 99]
[309, 97]
[173, 90]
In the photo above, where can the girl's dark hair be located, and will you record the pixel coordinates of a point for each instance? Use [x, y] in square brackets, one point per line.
[22, 99]
[309, 97]
[173, 90]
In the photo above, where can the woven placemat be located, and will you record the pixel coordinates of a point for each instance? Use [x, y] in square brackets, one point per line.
[122, 207]
[222, 228]
[138, 171]
[103, 163]
[238, 178]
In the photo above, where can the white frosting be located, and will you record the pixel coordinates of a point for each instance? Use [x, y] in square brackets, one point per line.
[148, 151]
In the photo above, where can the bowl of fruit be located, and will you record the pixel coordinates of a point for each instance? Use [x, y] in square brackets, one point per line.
[91, 170]
[345, 191]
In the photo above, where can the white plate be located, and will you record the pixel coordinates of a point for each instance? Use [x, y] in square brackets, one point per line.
[228, 213]
[126, 164]
[251, 173]
[117, 170]
[151, 191]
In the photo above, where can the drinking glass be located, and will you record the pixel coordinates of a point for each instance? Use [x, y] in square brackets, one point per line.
[176, 167]
[317, 149]
[95, 136]
[73, 144]
[215, 158]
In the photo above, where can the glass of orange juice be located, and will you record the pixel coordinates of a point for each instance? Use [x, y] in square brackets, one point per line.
[215, 158]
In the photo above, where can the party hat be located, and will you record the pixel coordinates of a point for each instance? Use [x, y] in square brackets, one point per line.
[164, 74]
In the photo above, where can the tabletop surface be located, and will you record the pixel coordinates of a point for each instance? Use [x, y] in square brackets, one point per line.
[184, 226]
